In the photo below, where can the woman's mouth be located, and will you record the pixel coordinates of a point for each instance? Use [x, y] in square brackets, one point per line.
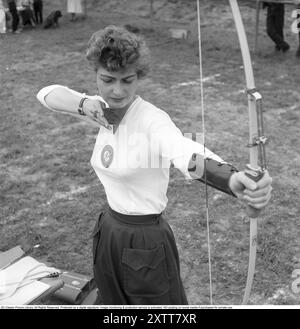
[117, 100]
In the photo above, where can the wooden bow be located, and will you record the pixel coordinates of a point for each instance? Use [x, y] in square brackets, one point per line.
[255, 169]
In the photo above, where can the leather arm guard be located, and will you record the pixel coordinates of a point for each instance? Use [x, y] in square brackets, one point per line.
[216, 174]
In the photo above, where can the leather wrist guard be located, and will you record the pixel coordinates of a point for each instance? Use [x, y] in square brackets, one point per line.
[215, 174]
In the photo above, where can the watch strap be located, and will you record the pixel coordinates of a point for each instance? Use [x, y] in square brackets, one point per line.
[80, 106]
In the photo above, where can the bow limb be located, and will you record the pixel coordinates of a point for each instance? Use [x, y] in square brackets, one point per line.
[256, 139]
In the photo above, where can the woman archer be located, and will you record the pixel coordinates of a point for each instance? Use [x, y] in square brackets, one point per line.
[134, 251]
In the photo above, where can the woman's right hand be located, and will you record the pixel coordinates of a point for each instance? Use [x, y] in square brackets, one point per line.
[94, 110]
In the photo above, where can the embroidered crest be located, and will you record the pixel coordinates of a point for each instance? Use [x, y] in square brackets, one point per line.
[107, 156]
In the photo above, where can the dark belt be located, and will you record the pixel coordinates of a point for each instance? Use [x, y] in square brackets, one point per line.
[135, 219]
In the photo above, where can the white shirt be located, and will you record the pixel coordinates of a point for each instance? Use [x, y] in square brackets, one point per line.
[133, 163]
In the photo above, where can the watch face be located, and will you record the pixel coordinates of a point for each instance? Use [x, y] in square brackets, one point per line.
[107, 156]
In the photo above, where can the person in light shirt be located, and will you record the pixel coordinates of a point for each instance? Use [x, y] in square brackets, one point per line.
[74, 7]
[2, 18]
[135, 255]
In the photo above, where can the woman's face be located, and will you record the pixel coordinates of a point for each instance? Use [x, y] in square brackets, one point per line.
[118, 89]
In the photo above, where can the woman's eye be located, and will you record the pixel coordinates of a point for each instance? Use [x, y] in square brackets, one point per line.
[107, 80]
[128, 80]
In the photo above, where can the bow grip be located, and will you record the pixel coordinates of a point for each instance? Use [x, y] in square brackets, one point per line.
[255, 175]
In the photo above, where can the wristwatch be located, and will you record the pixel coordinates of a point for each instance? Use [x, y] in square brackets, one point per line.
[80, 106]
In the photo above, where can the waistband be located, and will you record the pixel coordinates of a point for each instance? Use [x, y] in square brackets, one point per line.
[135, 219]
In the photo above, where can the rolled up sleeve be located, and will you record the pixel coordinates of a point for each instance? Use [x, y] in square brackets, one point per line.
[41, 95]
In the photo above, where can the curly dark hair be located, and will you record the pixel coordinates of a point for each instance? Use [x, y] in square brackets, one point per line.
[115, 49]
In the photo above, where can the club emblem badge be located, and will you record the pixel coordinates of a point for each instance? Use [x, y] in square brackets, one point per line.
[107, 156]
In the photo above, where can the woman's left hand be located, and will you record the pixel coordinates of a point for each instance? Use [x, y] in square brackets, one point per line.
[255, 194]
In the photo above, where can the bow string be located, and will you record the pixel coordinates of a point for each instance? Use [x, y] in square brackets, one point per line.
[204, 147]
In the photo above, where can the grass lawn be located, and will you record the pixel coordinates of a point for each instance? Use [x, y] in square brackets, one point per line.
[50, 195]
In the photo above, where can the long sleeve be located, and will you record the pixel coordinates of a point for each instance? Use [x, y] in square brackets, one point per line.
[167, 139]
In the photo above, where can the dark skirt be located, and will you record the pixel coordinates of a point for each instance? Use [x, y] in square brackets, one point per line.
[136, 260]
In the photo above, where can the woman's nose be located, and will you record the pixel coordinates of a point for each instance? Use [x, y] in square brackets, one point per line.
[117, 90]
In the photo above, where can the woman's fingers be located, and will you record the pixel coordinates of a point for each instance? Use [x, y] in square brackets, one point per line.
[258, 192]
[99, 117]
[98, 114]
[259, 197]
[258, 201]
[93, 109]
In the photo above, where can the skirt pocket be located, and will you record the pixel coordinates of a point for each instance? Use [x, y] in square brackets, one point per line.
[145, 272]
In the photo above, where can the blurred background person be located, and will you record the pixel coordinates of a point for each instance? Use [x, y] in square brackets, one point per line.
[74, 8]
[26, 12]
[297, 2]
[12, 6]
[38, 11]
[275, 25]
[2, 18]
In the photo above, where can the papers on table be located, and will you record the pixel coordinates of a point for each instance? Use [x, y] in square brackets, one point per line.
[19, 281]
